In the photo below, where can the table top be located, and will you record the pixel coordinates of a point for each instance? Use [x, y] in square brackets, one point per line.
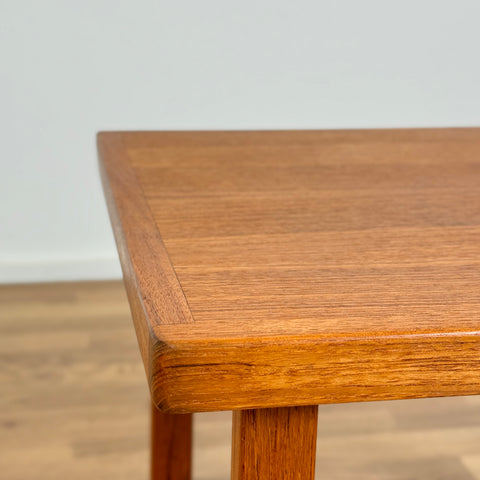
[295, 267]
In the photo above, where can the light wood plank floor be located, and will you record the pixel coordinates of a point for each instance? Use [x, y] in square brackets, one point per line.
[74, 404]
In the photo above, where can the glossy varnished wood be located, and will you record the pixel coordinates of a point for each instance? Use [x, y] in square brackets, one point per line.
[274, 443]
[171, 445]
[290, 268]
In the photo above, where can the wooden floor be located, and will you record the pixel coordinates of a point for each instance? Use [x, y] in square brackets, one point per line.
[74, 404]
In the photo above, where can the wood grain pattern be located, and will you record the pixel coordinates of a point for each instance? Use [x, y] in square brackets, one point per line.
[274, 443]
[171, 446]
[74, 404]
[291, 268]
[152, 287]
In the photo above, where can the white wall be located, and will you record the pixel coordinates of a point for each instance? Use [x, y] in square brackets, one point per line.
[69, 69]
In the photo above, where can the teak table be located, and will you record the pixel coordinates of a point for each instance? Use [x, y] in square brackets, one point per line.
[269, 272]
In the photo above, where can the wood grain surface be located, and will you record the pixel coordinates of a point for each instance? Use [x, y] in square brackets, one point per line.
[74, 404]
[171, 445]
[274, 443]
[290, 268]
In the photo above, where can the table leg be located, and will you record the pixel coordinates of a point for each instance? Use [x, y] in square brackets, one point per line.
[171, 445]
[274, 443]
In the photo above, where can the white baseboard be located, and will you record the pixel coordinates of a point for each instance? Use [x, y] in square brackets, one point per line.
[59, 269]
